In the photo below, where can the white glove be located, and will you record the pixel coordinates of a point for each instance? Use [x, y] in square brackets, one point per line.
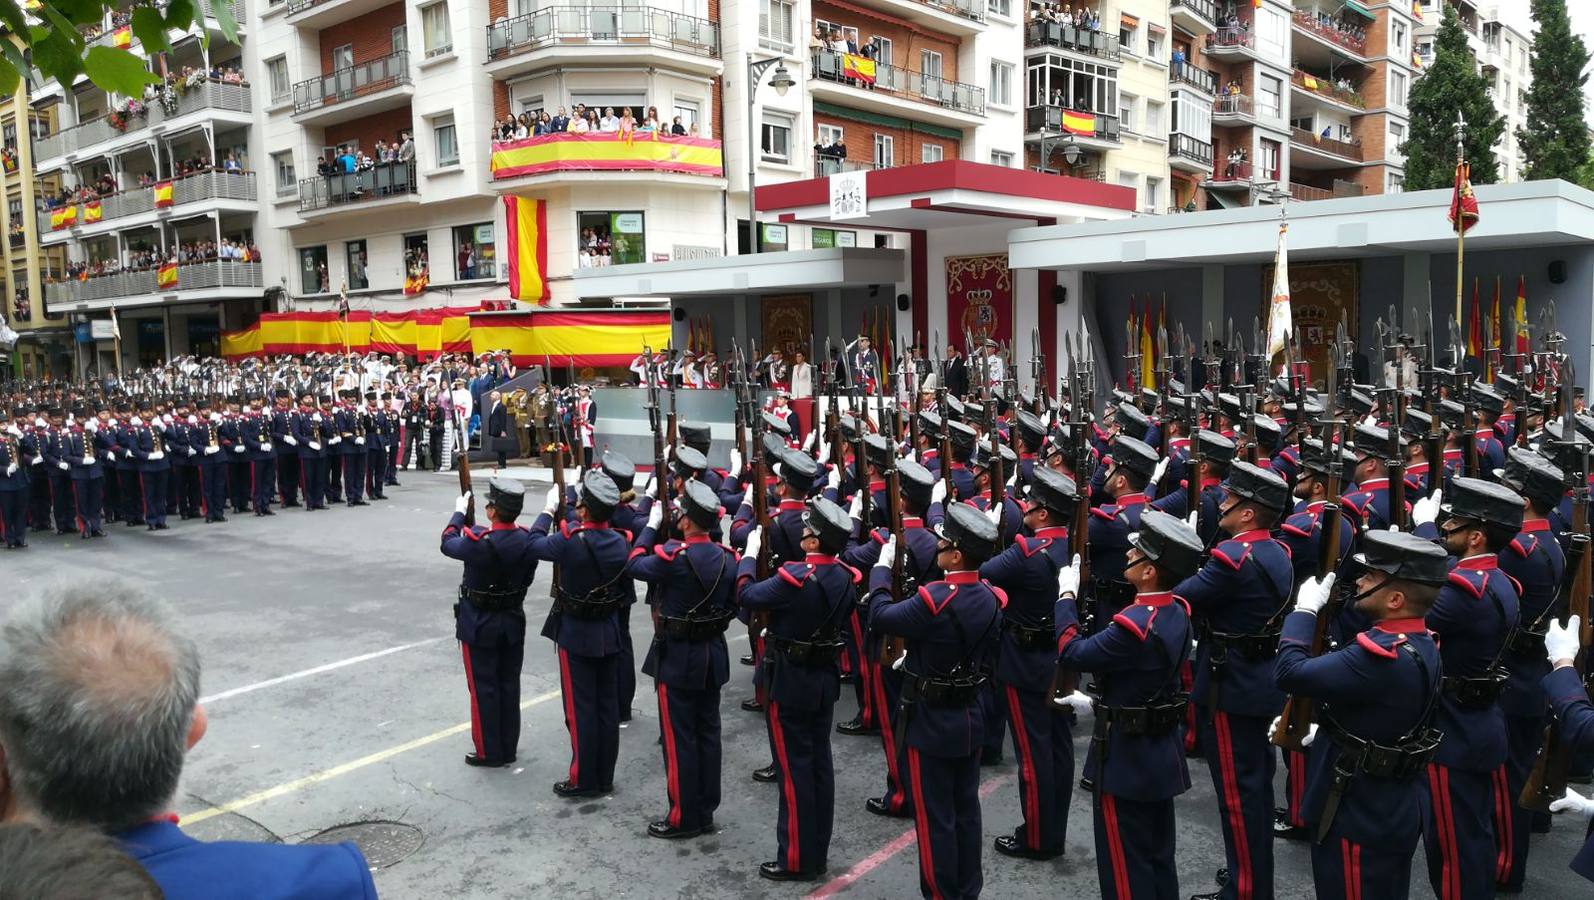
[292, 441]
[1306, 739]
[316, 417]
[1562, 641]
[1574, 802]
[808, 442]
[360, 441]
[656, 516]
[166, 419]
[64, 466]
[833, 478]
[37, 461]
[13, 430]
[1195, 515]
[1156, 474]
[315, 445]
[193, 421]
[888, 553]
[336, 439]
[855, 508]
[192, 452]
[158, 455]
[238, 448]
[127, 454]
[755, 541]
[39, 422]
[747, 497]
[938, 491]
[215, 417]
[211, 449]
[1078, 701]
[265, 447]
[995, 514]
[736, 462]
[1068, 579]
[1314, 593]
[91, 426]
[653, 487]
[462, 503]
[11, 470]
[1426, 510]
[88, 460]
[551, 504]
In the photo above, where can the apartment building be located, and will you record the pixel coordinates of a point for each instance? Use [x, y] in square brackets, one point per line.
[1497, 35]
[45, 346]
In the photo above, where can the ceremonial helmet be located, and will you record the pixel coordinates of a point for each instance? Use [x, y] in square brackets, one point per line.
[968, 530]
[1169, 542]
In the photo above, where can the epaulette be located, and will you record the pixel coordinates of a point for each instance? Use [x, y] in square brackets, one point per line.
[668, 550]
[880, 535]
[930, 601]
[1302, 524]
[1001, 595]
[1108, 511]
[1030, 546]
[1357, 501]
[1227, 557]
[1525, 550]
[795, 573]
[1138, 629]
[1371, 645]
[1475, 589]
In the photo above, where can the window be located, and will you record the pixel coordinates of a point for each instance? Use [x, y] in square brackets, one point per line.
[1192, 115]
[931, 153]
[436, 37]
[416, 259]
[1153, 193]
[882, 50]
[359, 278]
[848, 32]
[884, 151]
[999, 7]
[610, 238]
[1272, 35]
[831, 134]
[446, 141]
[774, 25]
[823, 238]
[401, 38]
[1001, 158]
[1129, 37]
[1268, 89]
[1153, 45]
[277, 77]
[313, 277]
[1154, 119]
[776, 144]
[1397, 136]
[282, 164]
[1269, 158]
[342, 57]
[929, 64]
[1402, 34]
[1394, 184]
[1001, 83]
[687, 112]
[1055, 80]
[474, 251]
[1397, 88]
[1126, 112]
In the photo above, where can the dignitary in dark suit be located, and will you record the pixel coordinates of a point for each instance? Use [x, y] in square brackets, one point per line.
[496, 427]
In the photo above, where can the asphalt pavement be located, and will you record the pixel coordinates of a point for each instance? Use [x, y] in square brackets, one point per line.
[338, 708]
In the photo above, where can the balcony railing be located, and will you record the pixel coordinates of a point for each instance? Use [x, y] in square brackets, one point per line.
[640, 151]
[205, 95]
[830, 165]
[106, 37]
[188, 189]
[1195, 76]
[377, 183]
[1229, 37]
[1305, 138]
[1234, 105]
[1051, 118]
[192, 277]
[1325, 87]
[968, 9]
[1326, 30]
[1067, 37]
[1206, 9]
[356, 81]
[1312, 192]
[1241, 172]
[626, 26]
[18, 239]
[897, 81]
[1187, 147]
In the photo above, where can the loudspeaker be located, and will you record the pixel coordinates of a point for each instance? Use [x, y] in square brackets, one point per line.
[904, 303]
[1059, 294]
[1557, 271]
[680, 314]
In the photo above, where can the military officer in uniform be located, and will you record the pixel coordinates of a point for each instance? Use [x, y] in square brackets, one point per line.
[148, 446]
[1214, 454]
[808, 600]
[1371, 498]
[129, 480]
[83, 446]
[490, 618]
[16, 449]
[205, 437]
[584, 623]
[376, 425]
[1128, 470]
[1137, 758]
[1574, 715]
[688, 659]
[288, 477]
[255, 434]
[1375, 699]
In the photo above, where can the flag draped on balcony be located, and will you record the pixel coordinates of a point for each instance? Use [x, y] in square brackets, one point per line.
[166, 275]
[92, 211]
[122, 37]
[1280, 319]
[527, 223]
[566, 152]
[858, 67]
[416, 282]
[1080, 123]
[163, 194]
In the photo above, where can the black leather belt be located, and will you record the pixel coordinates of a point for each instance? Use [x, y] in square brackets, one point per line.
[1526, 643]
[1032, 637]
[588, 608]
[1475, 693]
[1360, 756]
[693, 630]
[1251, 647]
[493, 599]
[806, 653]
[936, 690]
[1151, 720]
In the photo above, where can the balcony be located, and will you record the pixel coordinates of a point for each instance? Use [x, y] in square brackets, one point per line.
[630, 35]
[1189, 154]
[1066, 37]
[1198, 17]
[100, 135]
[1101, 132]
[641, 156]
[899, 90]
[825, 166]
[220, 276]
[1232, 43]
[1326, 90]
[390, 181]
[1203, 80]
[1301, 139]
[959, 17]
[200, 186]
[314, 15]
[1331, 31]
[1311, 192]
[1233, 109]
[373, 87]
[1238, 175]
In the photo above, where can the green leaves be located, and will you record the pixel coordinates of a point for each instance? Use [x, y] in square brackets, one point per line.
[117, 71]
[150, 29]
[222, 9]
[1554, 140]
[1451, 85]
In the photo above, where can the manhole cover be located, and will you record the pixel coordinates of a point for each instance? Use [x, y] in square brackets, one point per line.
[383, 843]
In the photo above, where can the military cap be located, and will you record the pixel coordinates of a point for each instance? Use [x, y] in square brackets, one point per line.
[1532, 476]
[1148, 398]
[1452, 414]
[1314, 408]
[1585, 425]
[325, 398]
[699, 504]
[1486, 398]
[916, 481]
[1169, 543]
[387, 395]
[1175, 405]
[1119, 395]
[1507, 385]
[968, 530]
[1483, 501]
[696, 437]
[202, 404]
[1031, 428]
[776, 424]
[1405, 556]
[1280, 387]
[1371, 439]
[53, 411]
[986, 451]
[620, 469]
[1567, 454]
[877, 451]
[963, 436]
[829, 522]
[1321, 460]
[774, 444]
[1258, 485]
[798, 469]
[599, 494]
[282, 393]
[930, 424]
[1134, 455]
[144, 406]
[1053, 490]
[1268, 432]
[507, 495]
[1229, 405]
[124, 406]
[956, 409]
[1416, 424]
[1213, 447]
[79, 411]
[1361, 401]
[370, 395]
[1132, 421]
[688, 462]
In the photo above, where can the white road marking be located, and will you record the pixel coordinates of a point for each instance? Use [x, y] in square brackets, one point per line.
[331, 666]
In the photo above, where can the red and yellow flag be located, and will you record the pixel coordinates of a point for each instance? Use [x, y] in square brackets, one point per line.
[527, 225]
[1496, 330]
[166, 275]
[122, 37]
[92, 211]
[858, 67]
[58, 218]
[163, 194]
[1080, 123]
[415, 284]
[1148, 350]
[1474, 331]
[1520, 316]
[1463, 204]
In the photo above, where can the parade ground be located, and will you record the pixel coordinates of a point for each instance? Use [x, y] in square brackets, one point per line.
[337, 701]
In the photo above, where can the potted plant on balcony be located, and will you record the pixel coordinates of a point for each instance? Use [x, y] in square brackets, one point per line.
[122, 114]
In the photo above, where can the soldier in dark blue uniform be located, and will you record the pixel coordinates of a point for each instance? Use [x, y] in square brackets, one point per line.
[128, 479]
[1474, 615]
[1012, 520]
[240, 468]
[1370, 500]
[688, 659]
[288, 477]
[629, 517]
[391, 439]
[58, 465]
[1574, 715]
[1535, 562]
[698, 438]
[858, 662]
[16, 449]
[1137, 757]
[1034, 626]
[332, 414]
[105, 442]
[1129, 469]
[928, 451]
[352, 444]
[1031, 440]
[255, 436]
[311, 431]
[182, 447]
[1375, 698]
[963, 441]
[951, 627]
[205, 438]
[1487, 405]
[1213, 453]
[490, 618]
[84, 449]
[585, 624]
[149, 446]
[1239, 599]
[808, 601]
[375, 421]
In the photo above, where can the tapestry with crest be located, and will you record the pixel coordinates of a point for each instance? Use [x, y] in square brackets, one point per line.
[1319, 293]
[979, 298]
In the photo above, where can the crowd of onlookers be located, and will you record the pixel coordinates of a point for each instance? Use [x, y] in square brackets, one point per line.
[348, 159]
[596, 247]
[586, 120]
[143, 258]
[1332, 25]
[104, 185]
[1066, 14]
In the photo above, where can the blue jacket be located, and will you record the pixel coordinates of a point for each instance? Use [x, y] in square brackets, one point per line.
[1576, 717]
[282, 426]
[78, 445]
[1027, 573]
[254, 432]
[1177, 502]
[808, 601]
[307, 431]
[1475, 610]
[1244, 586]
[187, 869]
[498, 557]
[1302, 533]
[1109, 530]
[145, 438]
[918, 567]
[696, 579]
[18, 450]
[1535, 562]
[1370, 504]
[590, 556]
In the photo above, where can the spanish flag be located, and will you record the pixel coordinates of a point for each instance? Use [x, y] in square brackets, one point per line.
[1474, 327]
[526, 222]
[69, 215]
[1520, 316]
[1463, 204]
[414, 284]
[1309, 82]
[1148, 350]
[163, 194]
[58, 218]
[1080, 123]
[859, 67]
[92, 211]
[122, 37]
[166, 275]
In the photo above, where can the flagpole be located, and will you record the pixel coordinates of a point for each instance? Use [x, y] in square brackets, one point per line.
[1461, 230]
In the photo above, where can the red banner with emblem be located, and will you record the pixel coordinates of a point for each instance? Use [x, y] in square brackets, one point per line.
[979, 298]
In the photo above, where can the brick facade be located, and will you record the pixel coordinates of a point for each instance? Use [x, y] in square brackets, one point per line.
[907, 39]
[382, 126]
[371, 36]
[907, 144]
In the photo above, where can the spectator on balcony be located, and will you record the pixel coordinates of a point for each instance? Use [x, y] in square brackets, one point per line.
[406, 150]
[840, 43]
[579, 125]
[558, 122]
[627, 121]
[1178, 62]
[345, 159]
[594, 121]
[545, 124]
[523, 127]
[609, 124]
[650, 122]
[820, 39]
[676, 128]
[692, 132]
[232, 164]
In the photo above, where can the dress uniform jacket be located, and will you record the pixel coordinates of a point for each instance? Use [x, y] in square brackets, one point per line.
[1243, 587]
[1302, 534]
[808, 600]
[1110, 527]
[1575, 714]
[187, 869]
[590, 556]
[1370, 503]
[697, 580]
[1491, 452]
[1475, 610]
[1535, 562]
[1177, 503]
[1026, 572]
[1012, 513]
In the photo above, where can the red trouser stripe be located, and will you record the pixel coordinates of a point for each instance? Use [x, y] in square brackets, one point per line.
[1029, 791]
[789, 787]
[1231, 797]
[921, 823]
[672, 763]
[1115, 845]
[1450, 873]
[1503, 836]
[888, 738]
[475, 713]
[570, 718]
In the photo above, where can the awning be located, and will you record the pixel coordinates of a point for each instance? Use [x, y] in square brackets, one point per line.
[1360, 10]
[1129, 21]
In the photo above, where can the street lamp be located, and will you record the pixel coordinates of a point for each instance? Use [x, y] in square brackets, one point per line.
[1072, 152]
[781, 82]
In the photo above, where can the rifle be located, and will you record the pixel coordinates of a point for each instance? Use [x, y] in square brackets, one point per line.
[760, 478]
[656, 426]
[559, 482]
[1037, 373]
[671, 437]
[1393, 458]
[1547, 781]
[946, 424]
[1295, 721]
[994, 470]
[464, 488]
[1064, 681]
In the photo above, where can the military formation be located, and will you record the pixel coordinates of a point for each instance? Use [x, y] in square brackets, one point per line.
[1382, 588]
